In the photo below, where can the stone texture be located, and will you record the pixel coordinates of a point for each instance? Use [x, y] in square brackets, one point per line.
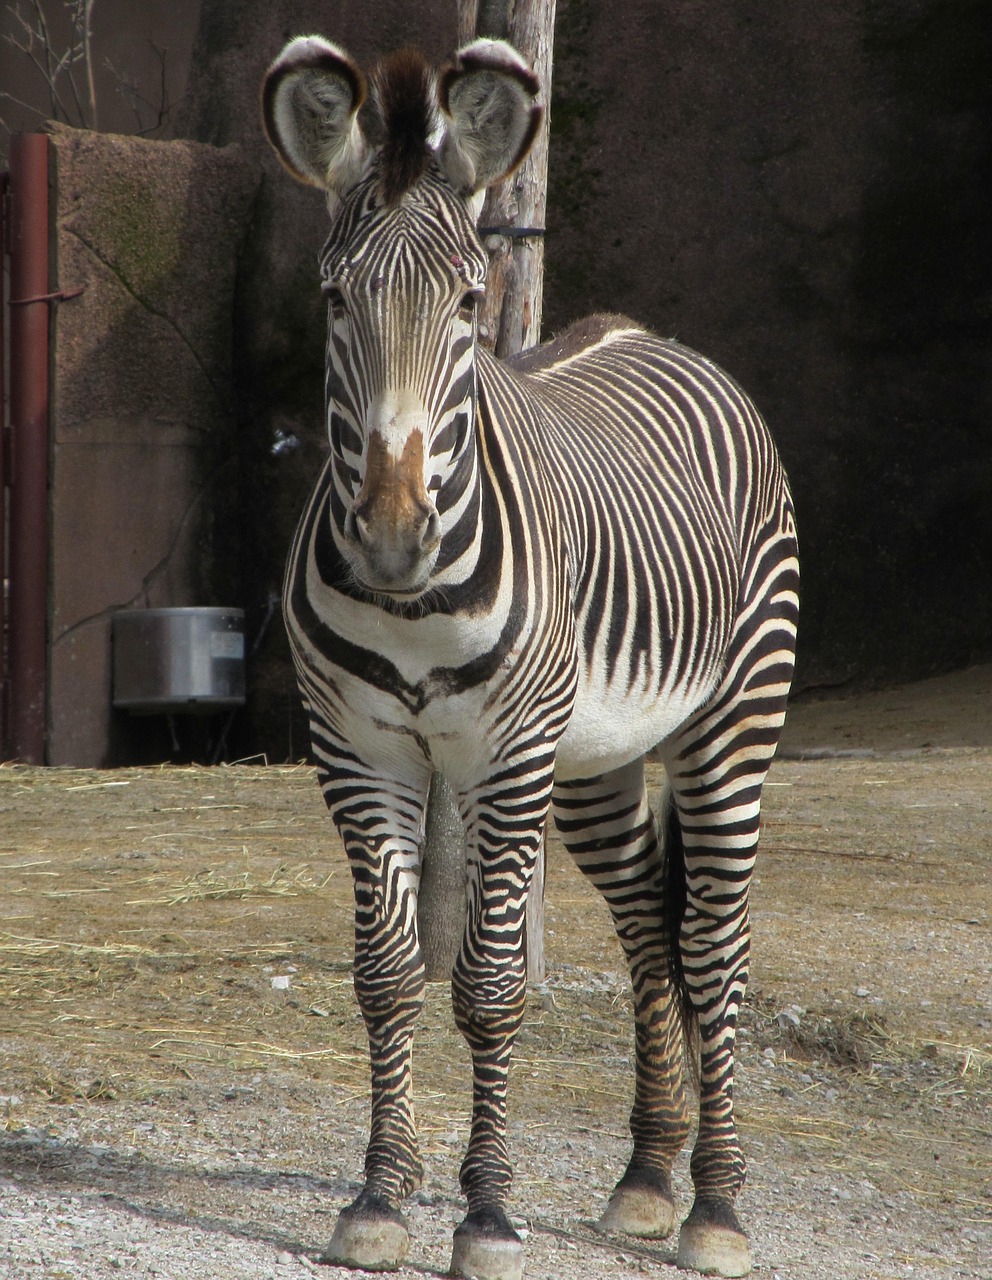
[803, 196]
[144, 456]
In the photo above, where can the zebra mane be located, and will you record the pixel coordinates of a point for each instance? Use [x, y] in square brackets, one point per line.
[405, 100]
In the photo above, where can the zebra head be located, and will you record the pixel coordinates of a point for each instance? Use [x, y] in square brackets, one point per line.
[405, 159]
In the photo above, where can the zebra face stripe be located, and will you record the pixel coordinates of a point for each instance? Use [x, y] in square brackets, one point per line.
[401, 282]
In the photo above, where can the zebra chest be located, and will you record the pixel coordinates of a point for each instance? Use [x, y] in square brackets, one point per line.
[403, 693]
[425, 727]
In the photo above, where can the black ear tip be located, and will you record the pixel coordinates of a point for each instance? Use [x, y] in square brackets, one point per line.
[484, 146]
[487, 56]
[317, 55]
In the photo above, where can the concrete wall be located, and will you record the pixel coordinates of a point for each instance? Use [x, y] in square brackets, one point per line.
[144, 456]
[801, 195]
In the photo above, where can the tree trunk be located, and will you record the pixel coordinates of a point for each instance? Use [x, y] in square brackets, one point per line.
[510, 321]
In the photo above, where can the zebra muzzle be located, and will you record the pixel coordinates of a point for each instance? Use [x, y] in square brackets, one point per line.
[393, 526]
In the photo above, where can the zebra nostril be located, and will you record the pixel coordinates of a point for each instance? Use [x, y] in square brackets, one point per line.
[355, 526]
[431, 533]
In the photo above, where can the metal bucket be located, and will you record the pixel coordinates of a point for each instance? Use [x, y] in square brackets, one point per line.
[168, 661]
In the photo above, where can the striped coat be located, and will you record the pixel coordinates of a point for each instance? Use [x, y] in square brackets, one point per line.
[526, 576]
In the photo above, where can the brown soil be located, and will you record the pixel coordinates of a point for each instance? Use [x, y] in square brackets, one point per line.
[184, 1089]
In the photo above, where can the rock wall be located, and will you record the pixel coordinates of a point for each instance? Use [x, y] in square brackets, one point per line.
[801, 195]
[145, 458]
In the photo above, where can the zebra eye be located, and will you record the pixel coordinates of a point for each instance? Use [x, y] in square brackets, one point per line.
[469, 303]
[333, 295]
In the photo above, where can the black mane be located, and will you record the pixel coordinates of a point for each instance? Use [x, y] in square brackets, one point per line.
[404, 96]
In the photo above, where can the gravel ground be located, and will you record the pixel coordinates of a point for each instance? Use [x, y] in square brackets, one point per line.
[184, 1090]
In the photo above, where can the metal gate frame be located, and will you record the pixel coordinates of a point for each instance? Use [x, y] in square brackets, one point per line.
[25, 321]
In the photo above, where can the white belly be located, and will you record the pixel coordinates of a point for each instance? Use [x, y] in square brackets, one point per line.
[611, 726]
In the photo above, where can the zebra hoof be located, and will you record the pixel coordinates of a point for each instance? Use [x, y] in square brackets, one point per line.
[486, 1247]
[712, 1241]
[370, 1235]
[641, 1205]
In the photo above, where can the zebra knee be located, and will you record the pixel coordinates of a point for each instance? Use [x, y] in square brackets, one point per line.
[390, 998]
[488, 1004]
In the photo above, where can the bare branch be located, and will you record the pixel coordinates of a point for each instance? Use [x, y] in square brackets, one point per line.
[139, 102]
[56, 106]
[67, 67]
[87, 57]
[164, 105]
[75, 52]
[55, 67]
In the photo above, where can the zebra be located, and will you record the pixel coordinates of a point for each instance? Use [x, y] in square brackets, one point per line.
[525, 576]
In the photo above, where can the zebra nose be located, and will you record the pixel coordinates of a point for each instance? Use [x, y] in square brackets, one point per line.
[419, 532]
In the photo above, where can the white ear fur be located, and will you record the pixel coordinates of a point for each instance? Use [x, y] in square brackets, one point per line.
[487, 95]
[310, 100]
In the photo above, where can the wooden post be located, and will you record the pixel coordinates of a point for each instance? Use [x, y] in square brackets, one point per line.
[509, 322]
[514, 218]
[514, 212]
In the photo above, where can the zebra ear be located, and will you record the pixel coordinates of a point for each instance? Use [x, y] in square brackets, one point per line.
[487, 96]
[310, 100]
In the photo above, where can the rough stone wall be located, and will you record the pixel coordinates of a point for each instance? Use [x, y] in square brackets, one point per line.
[145, 456]
[803, 195]
[800, 194]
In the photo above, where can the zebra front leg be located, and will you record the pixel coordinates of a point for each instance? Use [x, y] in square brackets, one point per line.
[488, 993]
[389, 983]
[609, 829]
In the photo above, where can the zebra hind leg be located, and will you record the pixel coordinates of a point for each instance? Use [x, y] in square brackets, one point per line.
[717, 787]
[717, 765]
[609, 829]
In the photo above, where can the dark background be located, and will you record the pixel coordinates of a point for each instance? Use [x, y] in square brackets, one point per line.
[800, 192]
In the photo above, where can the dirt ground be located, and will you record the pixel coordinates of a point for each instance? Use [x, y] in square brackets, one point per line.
[184, 1087]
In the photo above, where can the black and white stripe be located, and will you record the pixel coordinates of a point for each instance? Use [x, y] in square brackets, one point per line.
[617, 574]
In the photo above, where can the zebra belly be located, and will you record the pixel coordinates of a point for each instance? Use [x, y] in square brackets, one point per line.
[612, 726]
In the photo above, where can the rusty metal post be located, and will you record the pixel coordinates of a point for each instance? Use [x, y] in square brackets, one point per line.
[28, 481]
[4, 241]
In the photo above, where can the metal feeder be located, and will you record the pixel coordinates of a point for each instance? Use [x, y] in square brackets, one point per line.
[178, 661]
